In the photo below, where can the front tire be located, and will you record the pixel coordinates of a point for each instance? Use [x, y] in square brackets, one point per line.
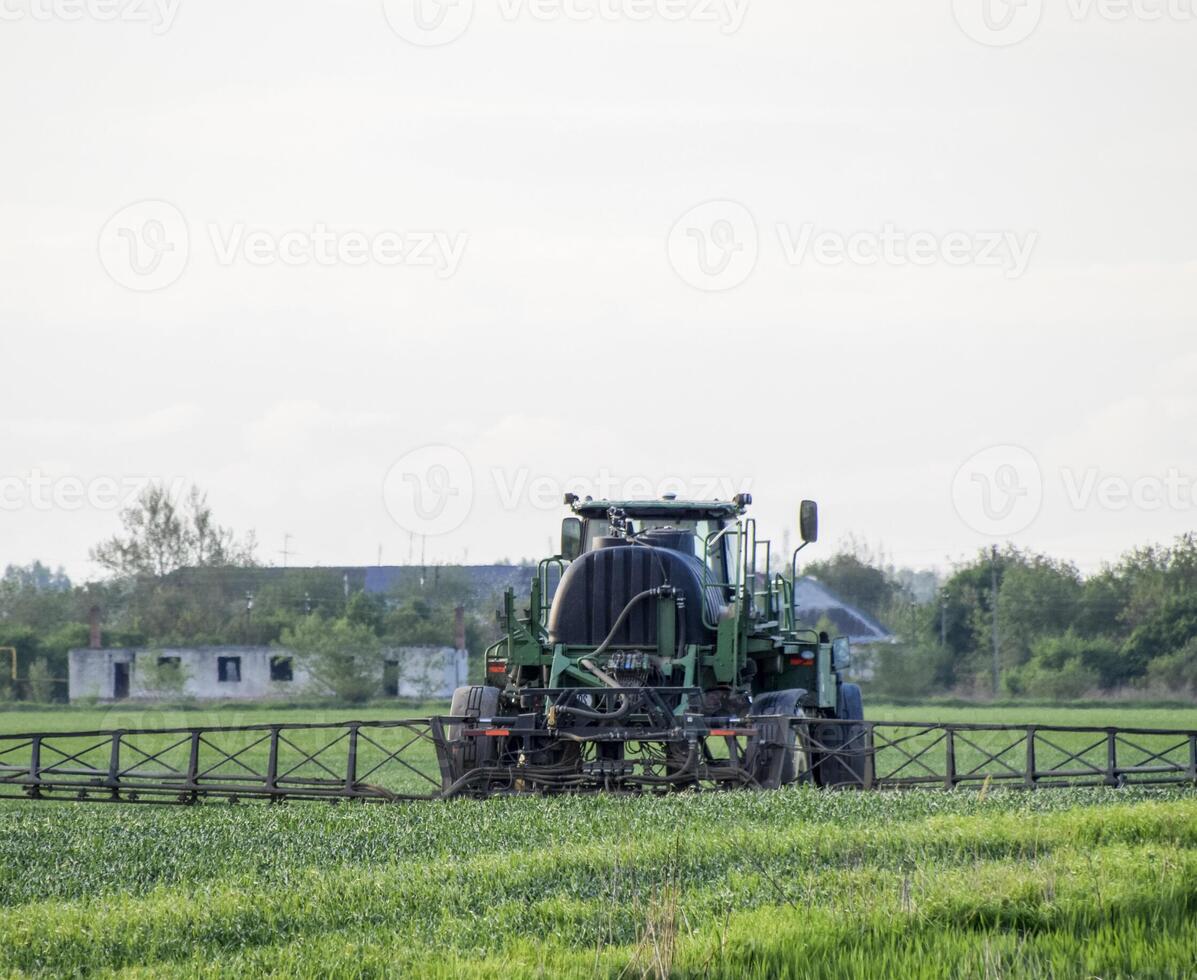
[848, 761]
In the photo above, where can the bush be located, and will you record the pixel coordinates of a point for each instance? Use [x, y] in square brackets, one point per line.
[41, 682]
[1176, 672]
[907, 670]
[1067, 682]
[1068, 666]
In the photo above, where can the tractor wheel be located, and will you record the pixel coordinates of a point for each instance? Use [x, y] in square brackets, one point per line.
[796, 768]
[471, 751]
[851, 765]
[794, 763]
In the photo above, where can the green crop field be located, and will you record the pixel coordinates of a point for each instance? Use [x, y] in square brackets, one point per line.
[1059, 883]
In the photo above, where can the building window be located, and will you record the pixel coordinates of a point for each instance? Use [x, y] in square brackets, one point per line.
[280, 669]
[172, 663]
[228, 670]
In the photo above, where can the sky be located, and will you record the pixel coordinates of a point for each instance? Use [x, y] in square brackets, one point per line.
[391, 277]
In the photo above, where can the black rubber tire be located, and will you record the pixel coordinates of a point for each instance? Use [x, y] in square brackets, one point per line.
[474, 703]
[797, 760]
[855, 767]
[797, 763]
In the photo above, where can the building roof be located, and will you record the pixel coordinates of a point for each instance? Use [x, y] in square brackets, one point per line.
[484, 580]
[817, 602]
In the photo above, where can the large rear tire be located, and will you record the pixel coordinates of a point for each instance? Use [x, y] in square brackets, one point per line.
[471, 751]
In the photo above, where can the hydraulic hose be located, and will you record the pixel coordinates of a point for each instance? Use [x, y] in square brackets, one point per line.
[602, 675]
[619, 620]
[622, 711]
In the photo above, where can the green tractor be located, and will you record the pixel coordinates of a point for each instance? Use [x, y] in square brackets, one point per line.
[659, 652]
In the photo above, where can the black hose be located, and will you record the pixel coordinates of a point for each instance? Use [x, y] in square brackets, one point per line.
[625, 709]
[619, 620]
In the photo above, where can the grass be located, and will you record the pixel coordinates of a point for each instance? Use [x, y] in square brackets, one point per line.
[1068, 883]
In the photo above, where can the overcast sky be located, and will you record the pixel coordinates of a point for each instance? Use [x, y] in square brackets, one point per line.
[364, 272]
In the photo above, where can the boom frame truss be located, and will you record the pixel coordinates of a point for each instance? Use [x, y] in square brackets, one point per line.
[413, 759]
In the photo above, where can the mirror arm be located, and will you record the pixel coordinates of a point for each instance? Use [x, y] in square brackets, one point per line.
[794, 562]
[794, 583]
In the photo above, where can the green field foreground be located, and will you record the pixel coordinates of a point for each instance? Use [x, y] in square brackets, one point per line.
[1059, 883]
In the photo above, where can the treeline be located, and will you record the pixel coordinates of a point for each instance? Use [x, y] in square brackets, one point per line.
[1060, 634]
[179, 579]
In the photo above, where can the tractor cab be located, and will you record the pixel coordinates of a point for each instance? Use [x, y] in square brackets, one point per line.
[707, 530]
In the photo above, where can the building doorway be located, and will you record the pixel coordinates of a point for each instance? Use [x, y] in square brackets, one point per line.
[390, 679]
[120, 681]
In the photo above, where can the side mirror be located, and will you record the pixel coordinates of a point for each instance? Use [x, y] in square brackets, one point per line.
[808, 522]
[571, 538]
[841, 653]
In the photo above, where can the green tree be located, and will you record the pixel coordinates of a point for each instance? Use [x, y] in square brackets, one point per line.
[1165, 631]
[158, 590]
[342, 658]
[368, 610]
[161, 536]
[857, 581]
[32, 595]
[164, 677]
[1038, 596]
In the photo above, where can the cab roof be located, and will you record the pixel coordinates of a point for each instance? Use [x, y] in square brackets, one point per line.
[665, 507]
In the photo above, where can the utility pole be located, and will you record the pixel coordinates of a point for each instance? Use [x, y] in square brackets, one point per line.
[997, 670]
[287, 552]
[944, 596]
